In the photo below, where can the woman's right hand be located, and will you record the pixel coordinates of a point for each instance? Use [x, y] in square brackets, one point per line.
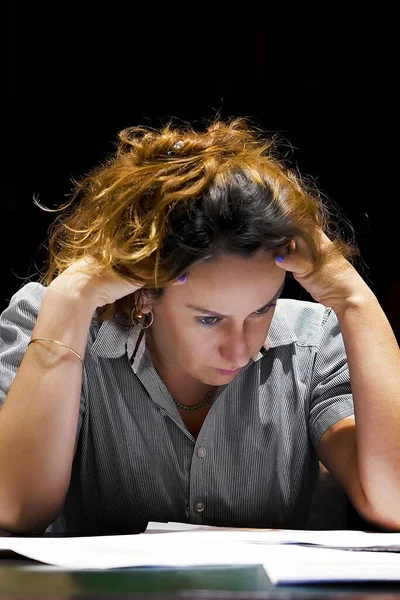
[85, 281]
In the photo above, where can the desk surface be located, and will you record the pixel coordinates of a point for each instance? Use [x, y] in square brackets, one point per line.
[23, 578]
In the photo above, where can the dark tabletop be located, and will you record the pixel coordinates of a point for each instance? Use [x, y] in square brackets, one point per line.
[23, 578]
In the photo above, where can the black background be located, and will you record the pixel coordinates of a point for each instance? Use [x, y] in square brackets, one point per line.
[326, 83]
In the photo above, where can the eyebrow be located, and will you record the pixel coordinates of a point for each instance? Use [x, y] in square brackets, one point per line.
[217, 314]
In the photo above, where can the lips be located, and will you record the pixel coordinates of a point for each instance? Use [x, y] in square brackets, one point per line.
[228, 372]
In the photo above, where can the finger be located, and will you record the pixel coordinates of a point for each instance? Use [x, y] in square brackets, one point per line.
[296, 259]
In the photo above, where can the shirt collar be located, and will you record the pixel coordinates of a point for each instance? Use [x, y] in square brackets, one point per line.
[110, 339]
[113, 339]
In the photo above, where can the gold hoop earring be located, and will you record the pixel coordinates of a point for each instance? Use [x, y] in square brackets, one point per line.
[137, 314]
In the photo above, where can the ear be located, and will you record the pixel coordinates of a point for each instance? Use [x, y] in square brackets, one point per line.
[148, 302]
[145, 305]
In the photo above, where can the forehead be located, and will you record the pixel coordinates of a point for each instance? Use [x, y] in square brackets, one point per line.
[226, 266]
[230, 283]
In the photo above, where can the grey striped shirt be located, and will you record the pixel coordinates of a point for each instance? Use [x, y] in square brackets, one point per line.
[254, 462]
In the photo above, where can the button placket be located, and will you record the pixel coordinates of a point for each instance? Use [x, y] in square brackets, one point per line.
[201, 452]
[198, 485]
[199, 506]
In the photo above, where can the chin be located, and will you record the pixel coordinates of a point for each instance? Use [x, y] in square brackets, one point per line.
[207, 379]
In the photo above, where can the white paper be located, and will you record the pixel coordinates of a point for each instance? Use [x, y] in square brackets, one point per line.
[107, 552]
[328, 538]
[290, 564]
[181, 544]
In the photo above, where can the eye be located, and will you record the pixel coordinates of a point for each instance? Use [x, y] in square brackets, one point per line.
[208, 321]
[260, 313]
[212, 321]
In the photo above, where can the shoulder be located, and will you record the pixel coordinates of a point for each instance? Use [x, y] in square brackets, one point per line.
[25, 303]
[308, 322]
[16, 324]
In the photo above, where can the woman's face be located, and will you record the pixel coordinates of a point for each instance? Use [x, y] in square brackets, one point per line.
[218, 319]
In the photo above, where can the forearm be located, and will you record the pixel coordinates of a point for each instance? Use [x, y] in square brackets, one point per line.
[38, 421]
[374, 365]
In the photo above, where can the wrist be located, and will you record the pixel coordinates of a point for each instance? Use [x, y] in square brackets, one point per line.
[62, 318]
[360, 299]
[72, 294]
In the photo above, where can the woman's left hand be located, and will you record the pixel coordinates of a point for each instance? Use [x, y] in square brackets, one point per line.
[335, 284]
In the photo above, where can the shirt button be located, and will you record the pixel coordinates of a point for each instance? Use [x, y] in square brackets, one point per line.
[199, 506]
[201, 452]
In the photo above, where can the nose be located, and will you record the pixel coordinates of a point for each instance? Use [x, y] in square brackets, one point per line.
[234, 350]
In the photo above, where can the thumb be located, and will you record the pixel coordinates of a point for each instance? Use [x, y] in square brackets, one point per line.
[281, 260]
[296, 259]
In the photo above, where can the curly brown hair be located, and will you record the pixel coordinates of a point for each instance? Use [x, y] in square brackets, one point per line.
[172, 196]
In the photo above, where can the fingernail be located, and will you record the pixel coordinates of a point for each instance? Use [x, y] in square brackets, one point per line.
[182, 278]
[279, 258]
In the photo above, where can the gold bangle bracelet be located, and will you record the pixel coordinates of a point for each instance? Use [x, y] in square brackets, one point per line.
[44, 339]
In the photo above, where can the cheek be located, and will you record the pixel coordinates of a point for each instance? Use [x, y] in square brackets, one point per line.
[259, 331]
[267, 321]
[185, 338]
[200, 344]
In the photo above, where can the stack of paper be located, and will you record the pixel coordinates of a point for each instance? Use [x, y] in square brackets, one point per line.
[288, 556]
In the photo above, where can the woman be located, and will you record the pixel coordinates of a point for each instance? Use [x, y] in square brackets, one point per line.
[155, 374]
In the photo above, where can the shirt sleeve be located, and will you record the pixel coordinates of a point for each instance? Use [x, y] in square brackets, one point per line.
[331, 397]
[16, 325]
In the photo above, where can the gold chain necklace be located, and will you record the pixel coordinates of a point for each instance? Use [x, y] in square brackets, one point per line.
[185, 406]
